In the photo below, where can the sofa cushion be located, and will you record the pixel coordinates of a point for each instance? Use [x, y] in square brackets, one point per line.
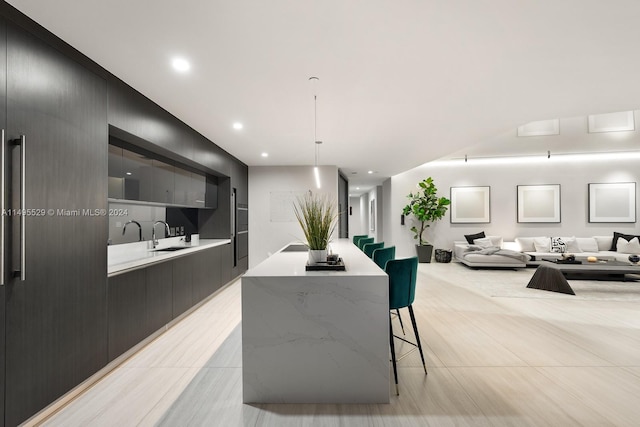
[484, 242]
[572, 244]
[496, 241]
[628, 247]
[525, 244]
[587, 244]
[617, 235]
[471, 237]
[604, 242]
[542, 244]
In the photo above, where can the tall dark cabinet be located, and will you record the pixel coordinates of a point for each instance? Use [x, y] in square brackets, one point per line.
[55, 307]
[3, 229]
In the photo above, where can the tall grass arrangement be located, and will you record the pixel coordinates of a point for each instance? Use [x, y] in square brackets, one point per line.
[317, 216]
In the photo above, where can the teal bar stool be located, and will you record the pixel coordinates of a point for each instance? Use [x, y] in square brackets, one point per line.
[364, 241]
[380, 257]
[358, 237]
[402, 290]
[370, 247]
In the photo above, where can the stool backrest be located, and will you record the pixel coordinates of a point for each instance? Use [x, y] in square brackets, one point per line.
[381, 256]
[402, 281]
[358, 237]
[370, 247]
[364, 241]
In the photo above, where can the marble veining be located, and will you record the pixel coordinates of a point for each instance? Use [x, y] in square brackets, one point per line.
[315, 337]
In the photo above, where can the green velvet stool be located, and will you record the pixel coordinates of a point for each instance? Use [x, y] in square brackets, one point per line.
[370, 247]
[402, 289]
[364, 241]
[358, 237]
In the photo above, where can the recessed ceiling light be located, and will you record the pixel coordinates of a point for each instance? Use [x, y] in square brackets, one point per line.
[181, 65]
[357, 188]
[370, 172]
[237, 125]
[265, 154]
[128, 173]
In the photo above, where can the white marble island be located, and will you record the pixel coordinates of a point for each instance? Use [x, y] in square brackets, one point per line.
[315, 337]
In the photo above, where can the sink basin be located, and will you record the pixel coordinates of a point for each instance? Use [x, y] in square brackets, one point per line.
[171, 249]
[295, 247]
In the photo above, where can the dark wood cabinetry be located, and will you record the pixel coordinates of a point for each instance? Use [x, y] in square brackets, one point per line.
[140, 303]
[182, 285]
[159, 296]
[3, 229]
[135, 114]
[66, 320]
[127, 296]
[56, 318]
[143, 301]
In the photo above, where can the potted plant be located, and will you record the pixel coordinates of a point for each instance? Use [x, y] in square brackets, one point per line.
[317, 216]
[426, 207]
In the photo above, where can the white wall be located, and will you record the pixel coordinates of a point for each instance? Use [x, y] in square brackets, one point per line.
[355, 220]
[503, 179]
[364, 213]
[265, 235]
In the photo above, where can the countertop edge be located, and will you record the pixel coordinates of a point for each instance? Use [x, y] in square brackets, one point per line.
[129, 266]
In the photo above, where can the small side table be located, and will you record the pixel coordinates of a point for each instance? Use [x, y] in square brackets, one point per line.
[548, 278]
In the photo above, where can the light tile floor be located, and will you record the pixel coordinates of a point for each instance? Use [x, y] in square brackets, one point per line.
[497, 355]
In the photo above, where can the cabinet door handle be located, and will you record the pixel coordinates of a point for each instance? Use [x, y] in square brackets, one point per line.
[23, 206]
[2, 207]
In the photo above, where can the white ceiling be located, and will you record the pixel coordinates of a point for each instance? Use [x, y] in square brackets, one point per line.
[401, 82]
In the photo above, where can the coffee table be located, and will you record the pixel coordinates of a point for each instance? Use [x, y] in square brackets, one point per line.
[551, 276]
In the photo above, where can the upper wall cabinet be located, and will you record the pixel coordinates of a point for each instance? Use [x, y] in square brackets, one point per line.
[131, 112]
[141, 177]
[163, 175]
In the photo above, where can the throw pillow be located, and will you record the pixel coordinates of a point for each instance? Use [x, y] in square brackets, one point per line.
[542, 244]
[525, 244]
[483, 243]
[587, 244]
[558, 245]
[616, 236]
[628, 246]
[572, 244]
[471, 237]
[495, 240]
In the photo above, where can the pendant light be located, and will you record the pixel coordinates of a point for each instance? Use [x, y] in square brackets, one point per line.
[316, 171]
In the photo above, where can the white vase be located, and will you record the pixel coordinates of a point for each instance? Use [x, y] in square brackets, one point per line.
[317, 255]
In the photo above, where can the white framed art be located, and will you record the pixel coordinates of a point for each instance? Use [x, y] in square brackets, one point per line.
[470, 205]
[539, 203]
[540, 128]
[612, 202]
[372, 216]
[611, 122]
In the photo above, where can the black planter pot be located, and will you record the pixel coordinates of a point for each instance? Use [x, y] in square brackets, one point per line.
[424, 252]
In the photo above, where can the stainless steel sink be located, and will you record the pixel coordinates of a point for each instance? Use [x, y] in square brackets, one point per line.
[171, 249]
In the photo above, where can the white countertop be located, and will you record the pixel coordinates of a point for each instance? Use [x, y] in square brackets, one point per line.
[284, 264]
[131, 256]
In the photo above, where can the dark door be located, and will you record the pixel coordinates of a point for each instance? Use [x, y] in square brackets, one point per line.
[343, 206]
[56, 328]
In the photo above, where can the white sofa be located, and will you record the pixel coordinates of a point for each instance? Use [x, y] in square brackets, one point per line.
[542, 247]
[581, 247]
[463, 254]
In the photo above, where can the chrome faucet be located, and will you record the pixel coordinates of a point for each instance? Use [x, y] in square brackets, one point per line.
[139, 229]
[166, 232]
